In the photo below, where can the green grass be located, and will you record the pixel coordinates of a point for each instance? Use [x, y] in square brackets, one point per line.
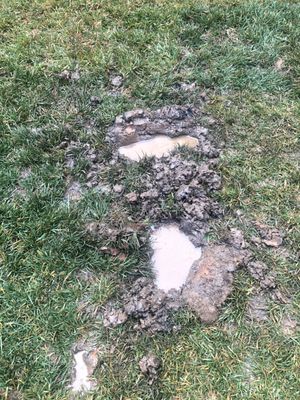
[230, 49]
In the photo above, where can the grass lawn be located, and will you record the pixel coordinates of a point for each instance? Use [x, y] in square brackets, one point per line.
[245, 54]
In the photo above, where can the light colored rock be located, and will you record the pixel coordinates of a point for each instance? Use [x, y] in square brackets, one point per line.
[173, 256]
[158, 146]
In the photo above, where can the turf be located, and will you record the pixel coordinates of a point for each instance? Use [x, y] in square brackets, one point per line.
[245, 56]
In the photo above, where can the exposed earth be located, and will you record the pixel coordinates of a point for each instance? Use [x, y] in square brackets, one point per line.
[149, 200]
[189, 272]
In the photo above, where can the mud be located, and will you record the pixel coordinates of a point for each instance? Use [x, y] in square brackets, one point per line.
[149, 307]
[179, 189]
[186, 87]
[173, 256]
[208, 284]
[210, 280]
[94, 160]
[260, 272]
[84, 365]
[289, 326]
[172, 121]
[25, 173]
[74, 192]
[236, 239]
[117, 232]
[257, 309]
[68, 75]
[11, 394]
[150, 365]
[116, 81]
[269, 236]
[114, 317]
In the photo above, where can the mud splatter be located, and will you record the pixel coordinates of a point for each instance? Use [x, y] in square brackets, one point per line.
[179, 189]
[260, 272]
[289, 326]
[85, 361]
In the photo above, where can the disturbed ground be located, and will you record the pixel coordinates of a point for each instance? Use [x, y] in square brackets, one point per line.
[177, 187]
[84, 92]
[189, 183]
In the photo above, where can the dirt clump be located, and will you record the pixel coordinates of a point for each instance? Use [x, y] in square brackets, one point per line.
[113, 317]
[236, 238]
[147, 305]
[149, 366]
[175, 188]
[95, 100]
[185, 87]
[259, 271]
[116, 81]
[269, 236]
[210, 280]
[257, 309]
[68, 75]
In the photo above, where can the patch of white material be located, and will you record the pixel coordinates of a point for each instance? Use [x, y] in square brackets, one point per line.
[81, 382]
[159, 146]
[173, 256]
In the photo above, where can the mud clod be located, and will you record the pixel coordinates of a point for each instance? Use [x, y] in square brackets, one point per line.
[118, 188]
[85, 361]
[271, 237]
[259, 271]
[236, 239]
[116, 81]
[210, 280]
[68, 75]
[131, 197]
[149, 365]
[257, 310]
[183, 184]
[95, 100]
[147, 305]
[113, 318]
